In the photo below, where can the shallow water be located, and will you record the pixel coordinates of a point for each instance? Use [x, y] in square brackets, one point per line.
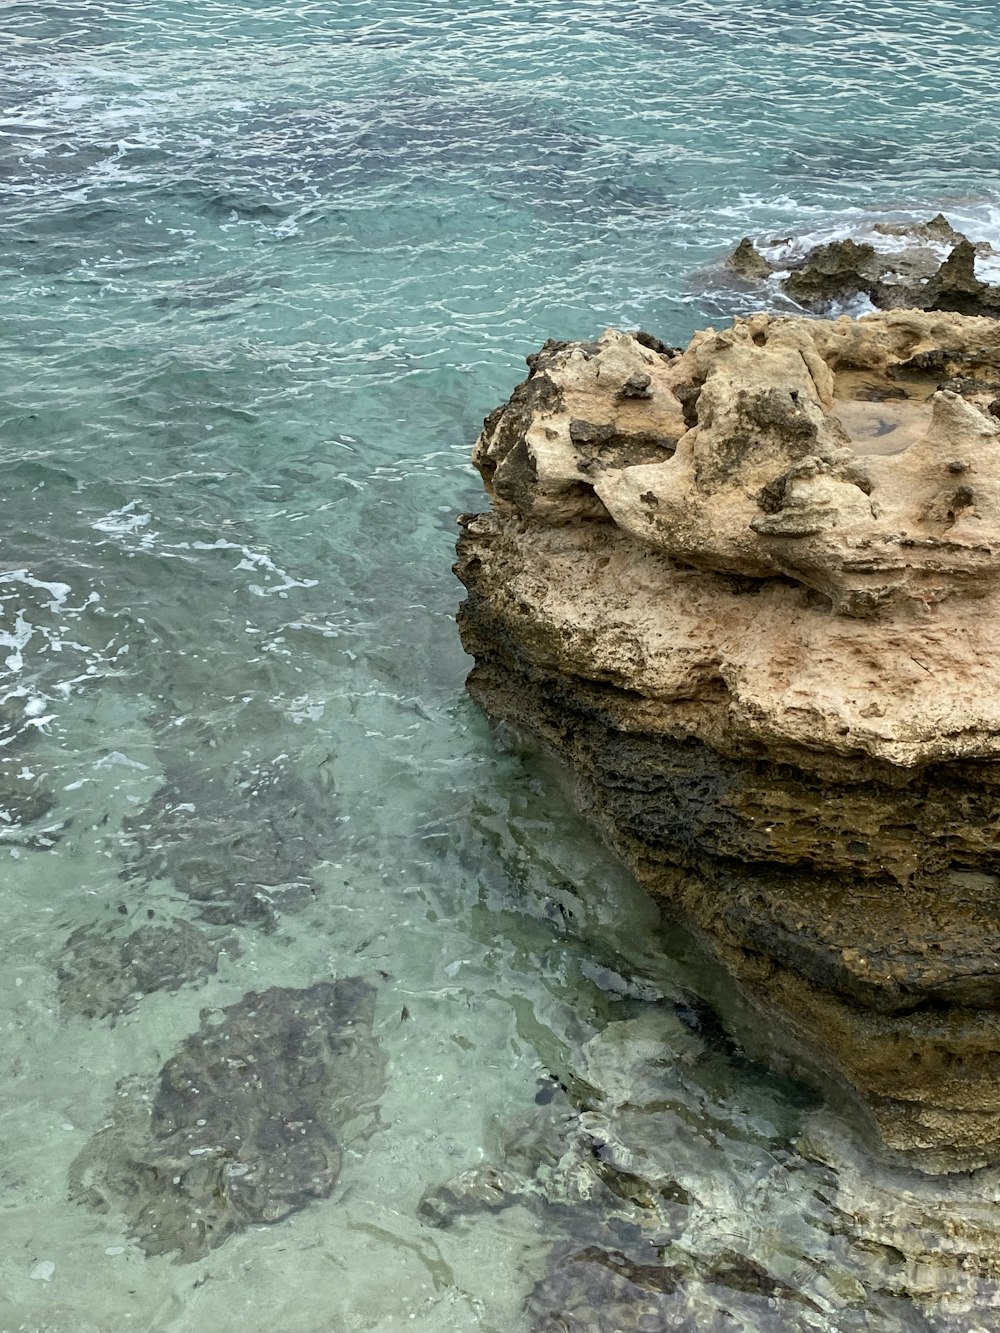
[263, 269]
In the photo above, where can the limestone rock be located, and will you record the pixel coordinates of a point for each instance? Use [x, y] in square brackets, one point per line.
[583, 405]
[747, 262]
[955, 285]
[834, 272]
[926, 266]
[937, 228]
[771, 655]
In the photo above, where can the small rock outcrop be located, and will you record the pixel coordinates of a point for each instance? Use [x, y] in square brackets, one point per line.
[750, 594]
[923, 266]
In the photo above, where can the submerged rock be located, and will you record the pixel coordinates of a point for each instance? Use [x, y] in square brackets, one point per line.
[927, 266]
[102, 973]
[240, 842]
[25, 799]
[24, 803]
[602, 1291]
[243, 1127]
[771, 656]
[676, 1196]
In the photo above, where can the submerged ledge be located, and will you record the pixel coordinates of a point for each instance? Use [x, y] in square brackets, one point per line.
[748, 593]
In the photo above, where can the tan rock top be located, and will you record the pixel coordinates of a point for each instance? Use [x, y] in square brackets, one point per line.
[791, 530]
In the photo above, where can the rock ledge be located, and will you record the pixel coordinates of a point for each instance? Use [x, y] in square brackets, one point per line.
[748, 592]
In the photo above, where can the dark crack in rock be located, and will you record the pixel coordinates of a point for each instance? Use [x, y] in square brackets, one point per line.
[244, 1127]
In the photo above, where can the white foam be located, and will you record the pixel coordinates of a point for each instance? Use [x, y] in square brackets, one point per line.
[118, 760]
[980, 222]
[59, 591]
[123, 520]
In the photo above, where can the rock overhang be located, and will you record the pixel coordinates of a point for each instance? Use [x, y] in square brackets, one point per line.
[787, 518]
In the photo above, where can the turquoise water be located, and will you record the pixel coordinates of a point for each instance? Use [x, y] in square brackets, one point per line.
[264, 267]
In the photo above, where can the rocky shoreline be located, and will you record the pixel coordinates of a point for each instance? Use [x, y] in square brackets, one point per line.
[747, 592]
[921, 266]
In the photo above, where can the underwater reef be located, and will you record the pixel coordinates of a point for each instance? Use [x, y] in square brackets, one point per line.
[244, 1126]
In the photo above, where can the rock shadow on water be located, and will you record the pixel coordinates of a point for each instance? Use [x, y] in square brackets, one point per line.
[245, 1125]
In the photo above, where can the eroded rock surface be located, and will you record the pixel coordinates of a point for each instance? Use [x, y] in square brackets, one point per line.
[922, 266]
[756, 612]
[678, 1197]
[243, 1127]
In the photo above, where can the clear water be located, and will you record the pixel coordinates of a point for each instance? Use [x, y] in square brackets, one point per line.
[263, 268]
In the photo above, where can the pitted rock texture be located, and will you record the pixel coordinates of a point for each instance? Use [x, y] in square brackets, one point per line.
[927, 266]
[243, 1128]
[770, 652]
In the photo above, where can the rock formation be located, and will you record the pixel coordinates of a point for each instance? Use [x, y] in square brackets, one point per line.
[679, 1197]
[239, 842]
[25, 799]
[924, 266]
[244, 1127]
[749, 593]
[105, 972]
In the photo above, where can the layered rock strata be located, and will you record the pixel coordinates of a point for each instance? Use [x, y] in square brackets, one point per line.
[749, 593]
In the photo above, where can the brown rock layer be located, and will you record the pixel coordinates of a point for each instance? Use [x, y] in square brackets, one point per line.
[749, 594]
